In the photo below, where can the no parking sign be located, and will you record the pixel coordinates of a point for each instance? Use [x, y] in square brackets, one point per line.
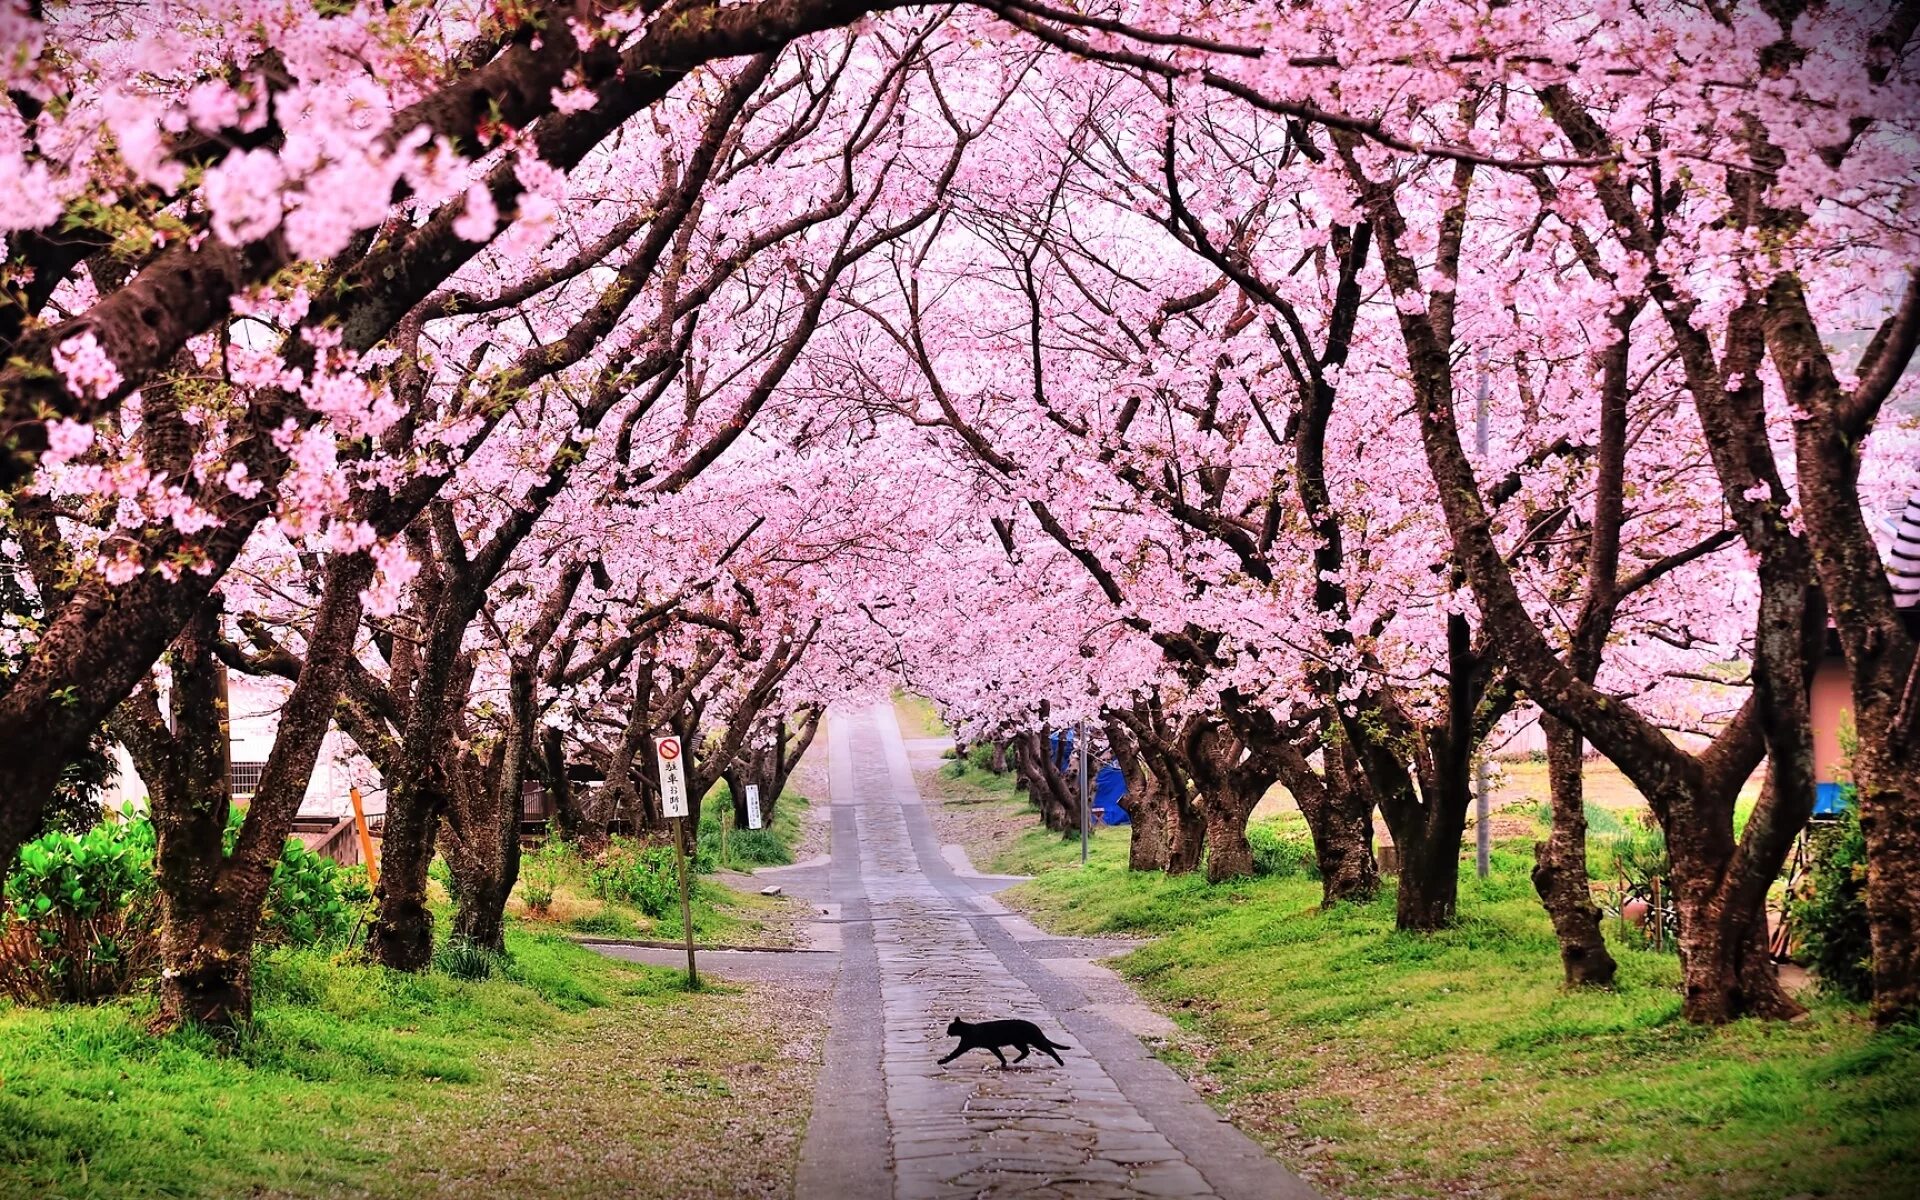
[673, 776]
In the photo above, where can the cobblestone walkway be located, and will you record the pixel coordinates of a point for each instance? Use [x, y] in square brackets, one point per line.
[1112, 1122]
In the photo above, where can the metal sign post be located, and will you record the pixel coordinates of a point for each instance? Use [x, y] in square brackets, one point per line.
[673, 805]
[753, 806]
[1086, 806]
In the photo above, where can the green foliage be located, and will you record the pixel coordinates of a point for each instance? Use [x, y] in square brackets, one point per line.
[80, 922]
[311, 901]
[744, 848]
[1283, 848]
[81, 919]
[980, 757]
[605, 924]
[1466, 1055]
[643, 876]
[463, 958]
[1831, 915]
[757, 848]
[541, 873]
[384, 1069]
[1637, 851]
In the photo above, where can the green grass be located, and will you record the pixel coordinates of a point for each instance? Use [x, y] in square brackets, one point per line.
[92, 1105]
[721, 914]
[917, 716]
[1425, 1065]
[745, 849]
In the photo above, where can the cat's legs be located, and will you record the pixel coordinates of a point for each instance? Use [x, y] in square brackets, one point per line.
[962, 1049]
[1053, 1056]
[1000, 1056]
[1024, 1051]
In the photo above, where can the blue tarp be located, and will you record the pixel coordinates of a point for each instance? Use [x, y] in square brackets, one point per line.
[1108, 787]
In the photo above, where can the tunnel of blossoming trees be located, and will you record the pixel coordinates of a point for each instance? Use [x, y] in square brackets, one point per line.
[1307, 396]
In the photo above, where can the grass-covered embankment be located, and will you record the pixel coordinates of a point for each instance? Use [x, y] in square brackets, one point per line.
[582, 901]
[566, 1074]
[1390, 1064]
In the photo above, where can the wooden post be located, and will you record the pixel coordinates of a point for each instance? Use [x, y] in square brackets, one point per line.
[686, 899]
[366, 838]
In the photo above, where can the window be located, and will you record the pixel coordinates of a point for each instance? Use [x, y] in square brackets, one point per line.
[244, 777]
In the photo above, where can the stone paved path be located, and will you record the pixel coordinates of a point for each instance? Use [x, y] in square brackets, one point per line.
[921, 945]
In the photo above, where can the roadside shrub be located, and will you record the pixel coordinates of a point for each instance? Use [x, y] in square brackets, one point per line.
[643, 876]
[1282, 850]
[980, 756]
[540, 874]
[81, 919]
[307, 902]
[1832, 913]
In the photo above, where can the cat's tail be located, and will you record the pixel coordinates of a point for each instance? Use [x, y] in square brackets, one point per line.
[1054, 1044]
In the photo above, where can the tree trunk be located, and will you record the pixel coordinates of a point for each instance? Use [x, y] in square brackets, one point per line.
[206, 972]
[401, 936]
[1889, 798]
[1046, 787]
[1146, 830]
[1726, 969]
[1338, 807]
[1229, 856]
[1146, 802]
[1186, 833]
[1560, 865]
[1428, 839]
[998, 763]
[480, 917]
[1720, 896]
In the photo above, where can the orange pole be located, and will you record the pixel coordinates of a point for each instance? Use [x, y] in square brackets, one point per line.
[366, 838]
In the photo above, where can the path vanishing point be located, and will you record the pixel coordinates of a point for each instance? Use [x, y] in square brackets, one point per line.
[919, 943]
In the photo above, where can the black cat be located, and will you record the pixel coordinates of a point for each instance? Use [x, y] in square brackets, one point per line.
[991, 1035]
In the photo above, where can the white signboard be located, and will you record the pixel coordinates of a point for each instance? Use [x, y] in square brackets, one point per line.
[753, 806]
[673, 776]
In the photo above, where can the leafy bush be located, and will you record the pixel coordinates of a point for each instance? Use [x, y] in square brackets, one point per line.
[980, 756]
[1282, 850]
[643, 876]
[81, 922]
[1832, 913]
[307, 902]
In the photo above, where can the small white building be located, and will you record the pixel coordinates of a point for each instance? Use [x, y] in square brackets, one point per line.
[254, 710]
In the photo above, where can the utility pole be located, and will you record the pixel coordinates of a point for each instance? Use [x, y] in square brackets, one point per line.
[1483, 835]
[1086, 807]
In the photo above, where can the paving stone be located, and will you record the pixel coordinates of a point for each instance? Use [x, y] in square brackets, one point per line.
[970, 1128]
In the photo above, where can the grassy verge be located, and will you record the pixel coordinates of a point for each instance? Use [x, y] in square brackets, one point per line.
[722, 914]
[566, 1074]
[1388, 1064]
[917, 716]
